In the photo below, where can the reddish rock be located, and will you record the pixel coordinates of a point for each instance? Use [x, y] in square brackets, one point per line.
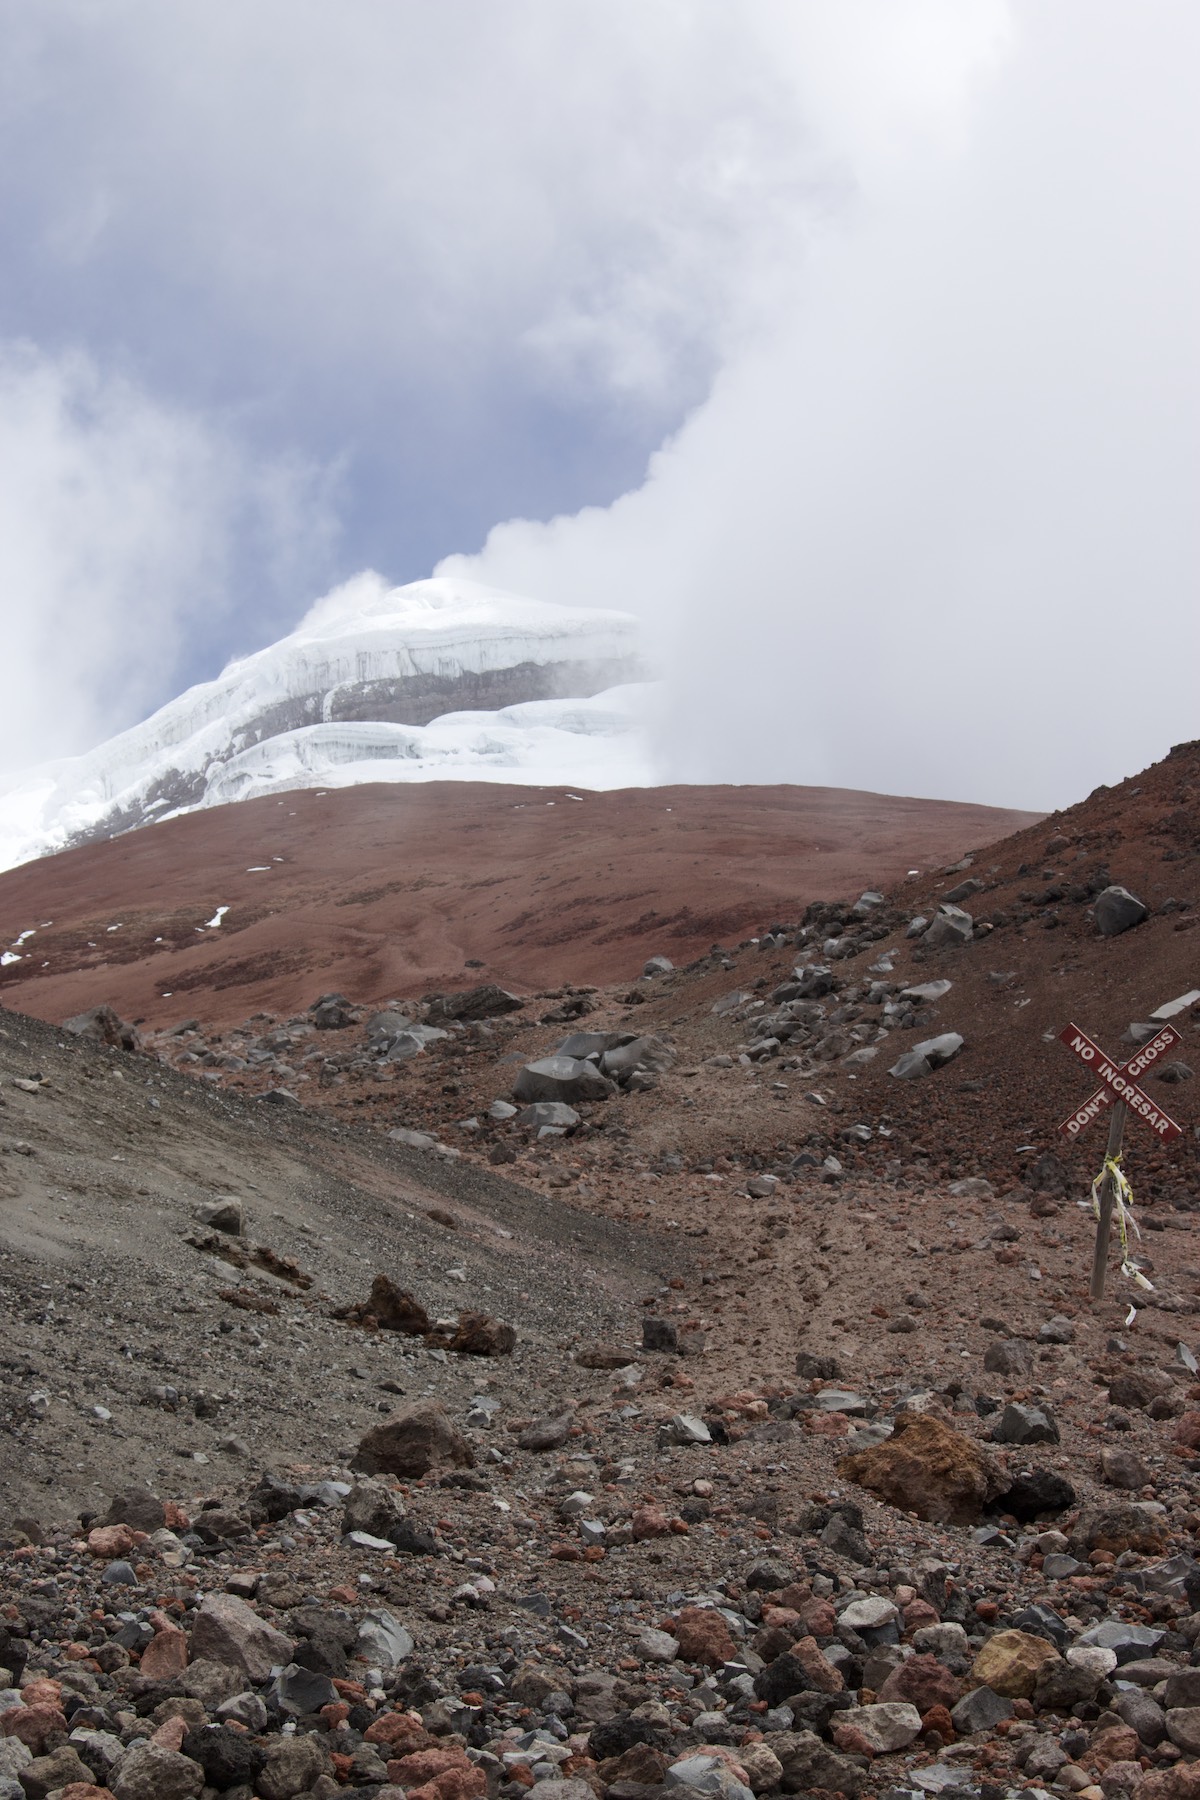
[848, 1738]
[640, 1763]
[649, 1522]
[1180, 1783]
[479, 1334]
[402, 1732]
[170, 1734]
[919, 1613]
[426, 1765]
[109, 1541]
[84, 1790]
[817, 1617]
[1187, 1431]
[703, 1637]
[34, 1725]
[166, 1655]
[828, 1424]
[388, 1308]
[939, 1720]
[928, 1468]
[1116, 1743]
[781, 1618]
[454, 1784]
[42, 1691]
[924, 1682]
[1114, 1526]
[822, 1677]
[438, 1774]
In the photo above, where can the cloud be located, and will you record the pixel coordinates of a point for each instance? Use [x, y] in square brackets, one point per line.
[933, 533]
[124, 525]
[864, 328]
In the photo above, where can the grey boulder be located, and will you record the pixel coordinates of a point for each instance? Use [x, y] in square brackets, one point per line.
[1023, 1424]
[560, 1078]
[547, 1112]
[923, 1058]
[1116, 910]
[949, 925]
[641, 1055]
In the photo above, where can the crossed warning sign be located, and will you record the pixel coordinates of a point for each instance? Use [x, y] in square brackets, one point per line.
[1118, 1089]
[1119, 1082]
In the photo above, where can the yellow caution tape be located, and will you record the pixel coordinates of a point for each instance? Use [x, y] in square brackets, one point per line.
[1123, 1197]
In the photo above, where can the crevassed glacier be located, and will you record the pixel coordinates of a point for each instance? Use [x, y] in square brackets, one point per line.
[376, 683]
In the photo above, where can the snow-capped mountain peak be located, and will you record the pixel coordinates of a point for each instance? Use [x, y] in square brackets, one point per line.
[438, 679]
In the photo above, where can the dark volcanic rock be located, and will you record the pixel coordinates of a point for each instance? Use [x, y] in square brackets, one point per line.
[102, 1025]
[418, 1438]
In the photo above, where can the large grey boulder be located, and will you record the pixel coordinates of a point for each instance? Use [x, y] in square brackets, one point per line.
[643, 1054]
[590, 1044]
[926, 991]
[385, 1027]
[1116, 910]
[563, 1078]
[950, 925]
[923, 1058]
[547, 1112]
[412, 1041]
[866, 903]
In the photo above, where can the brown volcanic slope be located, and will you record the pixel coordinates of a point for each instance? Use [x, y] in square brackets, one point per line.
[387, 890]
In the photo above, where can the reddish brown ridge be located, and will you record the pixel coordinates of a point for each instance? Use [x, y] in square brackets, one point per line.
[388, 890]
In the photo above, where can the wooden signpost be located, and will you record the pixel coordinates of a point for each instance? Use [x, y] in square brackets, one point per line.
[1119, 1090]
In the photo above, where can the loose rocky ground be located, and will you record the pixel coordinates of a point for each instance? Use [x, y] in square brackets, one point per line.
[811, 1468]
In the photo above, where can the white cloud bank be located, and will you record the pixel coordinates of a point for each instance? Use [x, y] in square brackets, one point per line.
[924, 271]
[121, 522]
[935, 533]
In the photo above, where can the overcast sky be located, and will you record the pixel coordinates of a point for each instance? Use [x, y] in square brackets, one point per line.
[850, 343]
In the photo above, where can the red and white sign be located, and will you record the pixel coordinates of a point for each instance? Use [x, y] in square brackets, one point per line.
[1119, 1081]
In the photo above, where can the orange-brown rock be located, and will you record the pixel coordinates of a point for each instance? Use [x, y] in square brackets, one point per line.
[402, 1732]
[924, 1682]
[821, 1675]
[388, 1308]
[166, 1655]
[928, 1468]
[438, 1774]
[703, 1637]
[34, 1725]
